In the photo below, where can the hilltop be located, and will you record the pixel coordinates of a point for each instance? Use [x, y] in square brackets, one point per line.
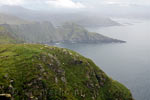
[41, 72]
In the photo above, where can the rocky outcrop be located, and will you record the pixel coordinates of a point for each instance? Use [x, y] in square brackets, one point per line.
[40, 72]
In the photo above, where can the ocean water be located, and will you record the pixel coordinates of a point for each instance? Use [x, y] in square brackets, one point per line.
[128, 63]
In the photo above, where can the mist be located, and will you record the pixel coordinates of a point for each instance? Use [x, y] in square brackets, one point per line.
[115, 34]
[109, 8]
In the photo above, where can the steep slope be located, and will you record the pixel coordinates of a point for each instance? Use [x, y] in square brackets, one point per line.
[45, 32]
[38, 32]
[6, 37]
[72, 32]
[40, 72]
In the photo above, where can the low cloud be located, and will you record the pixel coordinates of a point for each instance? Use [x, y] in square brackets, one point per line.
[75, 4]
[11, 2]
[65, 4]
[44, 3]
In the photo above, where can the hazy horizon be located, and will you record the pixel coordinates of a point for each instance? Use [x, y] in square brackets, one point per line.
[109, 8]
[115, 34]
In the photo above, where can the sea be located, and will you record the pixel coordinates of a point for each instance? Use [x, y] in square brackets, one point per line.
[128, 63]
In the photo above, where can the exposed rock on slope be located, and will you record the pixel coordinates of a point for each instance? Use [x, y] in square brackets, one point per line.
[75, 33]
[6, 37]
[45, 32]
[38, 32]
[40, 72]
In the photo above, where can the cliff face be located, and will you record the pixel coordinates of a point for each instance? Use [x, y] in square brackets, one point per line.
[75, 33]
[40, 72]
[45, 32]
[6, 37]
[36, 32]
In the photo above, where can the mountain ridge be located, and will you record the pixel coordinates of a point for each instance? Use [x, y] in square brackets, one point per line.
[86, 19]
[45, 32]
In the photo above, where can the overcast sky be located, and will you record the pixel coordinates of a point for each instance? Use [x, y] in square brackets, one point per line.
[75, 4]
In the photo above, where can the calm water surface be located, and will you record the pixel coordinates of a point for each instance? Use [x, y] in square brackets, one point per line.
[129, 63]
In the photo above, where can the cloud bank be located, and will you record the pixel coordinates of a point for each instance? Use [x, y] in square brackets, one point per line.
[74, 4]
[65, 4]
[46, 3]
[11, 2]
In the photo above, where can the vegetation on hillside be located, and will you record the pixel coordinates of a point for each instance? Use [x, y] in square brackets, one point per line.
[45, 32]
[41, 72]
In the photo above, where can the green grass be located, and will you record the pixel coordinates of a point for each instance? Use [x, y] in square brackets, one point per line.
[6, 40]
[50, 73]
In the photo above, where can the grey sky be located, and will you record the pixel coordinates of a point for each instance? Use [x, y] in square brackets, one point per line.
[75, 4]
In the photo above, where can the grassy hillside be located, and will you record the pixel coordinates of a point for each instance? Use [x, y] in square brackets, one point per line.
[40, 72]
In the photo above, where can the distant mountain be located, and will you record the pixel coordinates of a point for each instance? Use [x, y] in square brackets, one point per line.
[38, 32]
[45, 32]
[13, 9]
[76, 33]
[93, 20]
[85, 19]
[7, 38]
[10, 19]
[18, 11]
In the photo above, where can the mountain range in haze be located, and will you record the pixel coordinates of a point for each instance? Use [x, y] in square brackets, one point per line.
[58, 18]
[32, 27]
